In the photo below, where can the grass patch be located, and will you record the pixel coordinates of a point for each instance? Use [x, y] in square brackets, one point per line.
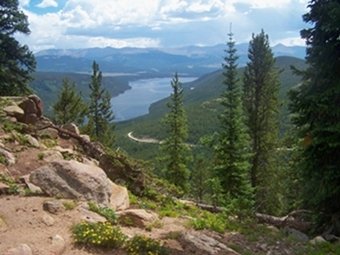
[13, 186]
[142, 245]
[106, 212]
[69, 204]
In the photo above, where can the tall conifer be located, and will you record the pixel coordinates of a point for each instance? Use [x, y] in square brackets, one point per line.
[261, 88]
[232, 151]
[316, 106]
[70, 106]
[177, 152]
[100, 113]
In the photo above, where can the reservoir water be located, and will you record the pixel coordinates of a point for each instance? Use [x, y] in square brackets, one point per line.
[137, 100]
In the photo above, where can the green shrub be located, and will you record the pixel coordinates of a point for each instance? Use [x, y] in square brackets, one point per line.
[49, 143]
[69, 204]
[106, 212]
[142, 245]
[98, 234]
[13, 186]
[3, 160]
[215, 222]
[41, 155]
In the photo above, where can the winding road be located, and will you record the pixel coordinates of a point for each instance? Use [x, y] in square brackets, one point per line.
[143, 140]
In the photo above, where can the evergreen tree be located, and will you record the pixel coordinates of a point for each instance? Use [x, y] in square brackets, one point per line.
[70, 106]
[174, 147]
[232, 152]
[316, 104]
[16, 61]
[261, 87]
[100, 114]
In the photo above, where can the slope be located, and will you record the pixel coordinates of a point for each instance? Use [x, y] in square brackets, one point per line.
[202, 107]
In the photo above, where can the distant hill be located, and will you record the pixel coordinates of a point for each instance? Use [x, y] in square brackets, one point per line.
[202, 107]
[148, 62]
[47, 85]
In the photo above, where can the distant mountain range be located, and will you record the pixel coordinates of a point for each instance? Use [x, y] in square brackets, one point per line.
[148, 62]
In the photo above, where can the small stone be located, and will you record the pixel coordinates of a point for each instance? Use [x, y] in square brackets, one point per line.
[71, 127]
[53, 206]
[9, 157]
[3, 225]
[317, 240]
[22, 249]
[137, 217]
[33, 188]
[32, 141]
[298, 235]
[86, 137]
[58, 245]
[48, 220]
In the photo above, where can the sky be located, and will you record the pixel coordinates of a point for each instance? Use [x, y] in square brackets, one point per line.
[66, 24]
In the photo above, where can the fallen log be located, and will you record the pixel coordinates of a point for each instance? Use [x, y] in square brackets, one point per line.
[292, 220]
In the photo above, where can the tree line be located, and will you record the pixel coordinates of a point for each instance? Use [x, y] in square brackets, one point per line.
[247, 168]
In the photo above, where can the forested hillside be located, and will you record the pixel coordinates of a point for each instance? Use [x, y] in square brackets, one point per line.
[47, 85]
[202, 107]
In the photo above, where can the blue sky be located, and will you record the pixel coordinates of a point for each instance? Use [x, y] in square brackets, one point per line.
[158, 23]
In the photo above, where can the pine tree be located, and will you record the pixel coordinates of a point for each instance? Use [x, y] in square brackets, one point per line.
[70, 106]
[16, 61]
[232, 152]
[177, 152]
[100, 114]
[261, 87]
[316, 105]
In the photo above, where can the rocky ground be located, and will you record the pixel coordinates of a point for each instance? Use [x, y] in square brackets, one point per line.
[47, 178]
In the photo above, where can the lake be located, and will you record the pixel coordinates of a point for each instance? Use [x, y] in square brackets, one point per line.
[137, 100]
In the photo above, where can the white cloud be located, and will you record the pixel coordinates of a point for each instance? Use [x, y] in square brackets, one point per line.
[291, 41]
[24, 3]
[151, 23]
[47, 3]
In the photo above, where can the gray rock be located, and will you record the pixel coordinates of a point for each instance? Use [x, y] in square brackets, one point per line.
[52, 155]
[296, 234]
[199, 243]
[58, 245]
[38, 104]
[48, 220]
[53, 206]
[71, 127]
[14, 111]
[317, 240]
[137, 217]
[33, 188]
[32, 141]
[22, 249]
[28, 106]
[73, 180]
[9, 157]
[48, 133]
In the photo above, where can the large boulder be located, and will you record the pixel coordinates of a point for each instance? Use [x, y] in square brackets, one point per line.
[73, 180]
[120, 197]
